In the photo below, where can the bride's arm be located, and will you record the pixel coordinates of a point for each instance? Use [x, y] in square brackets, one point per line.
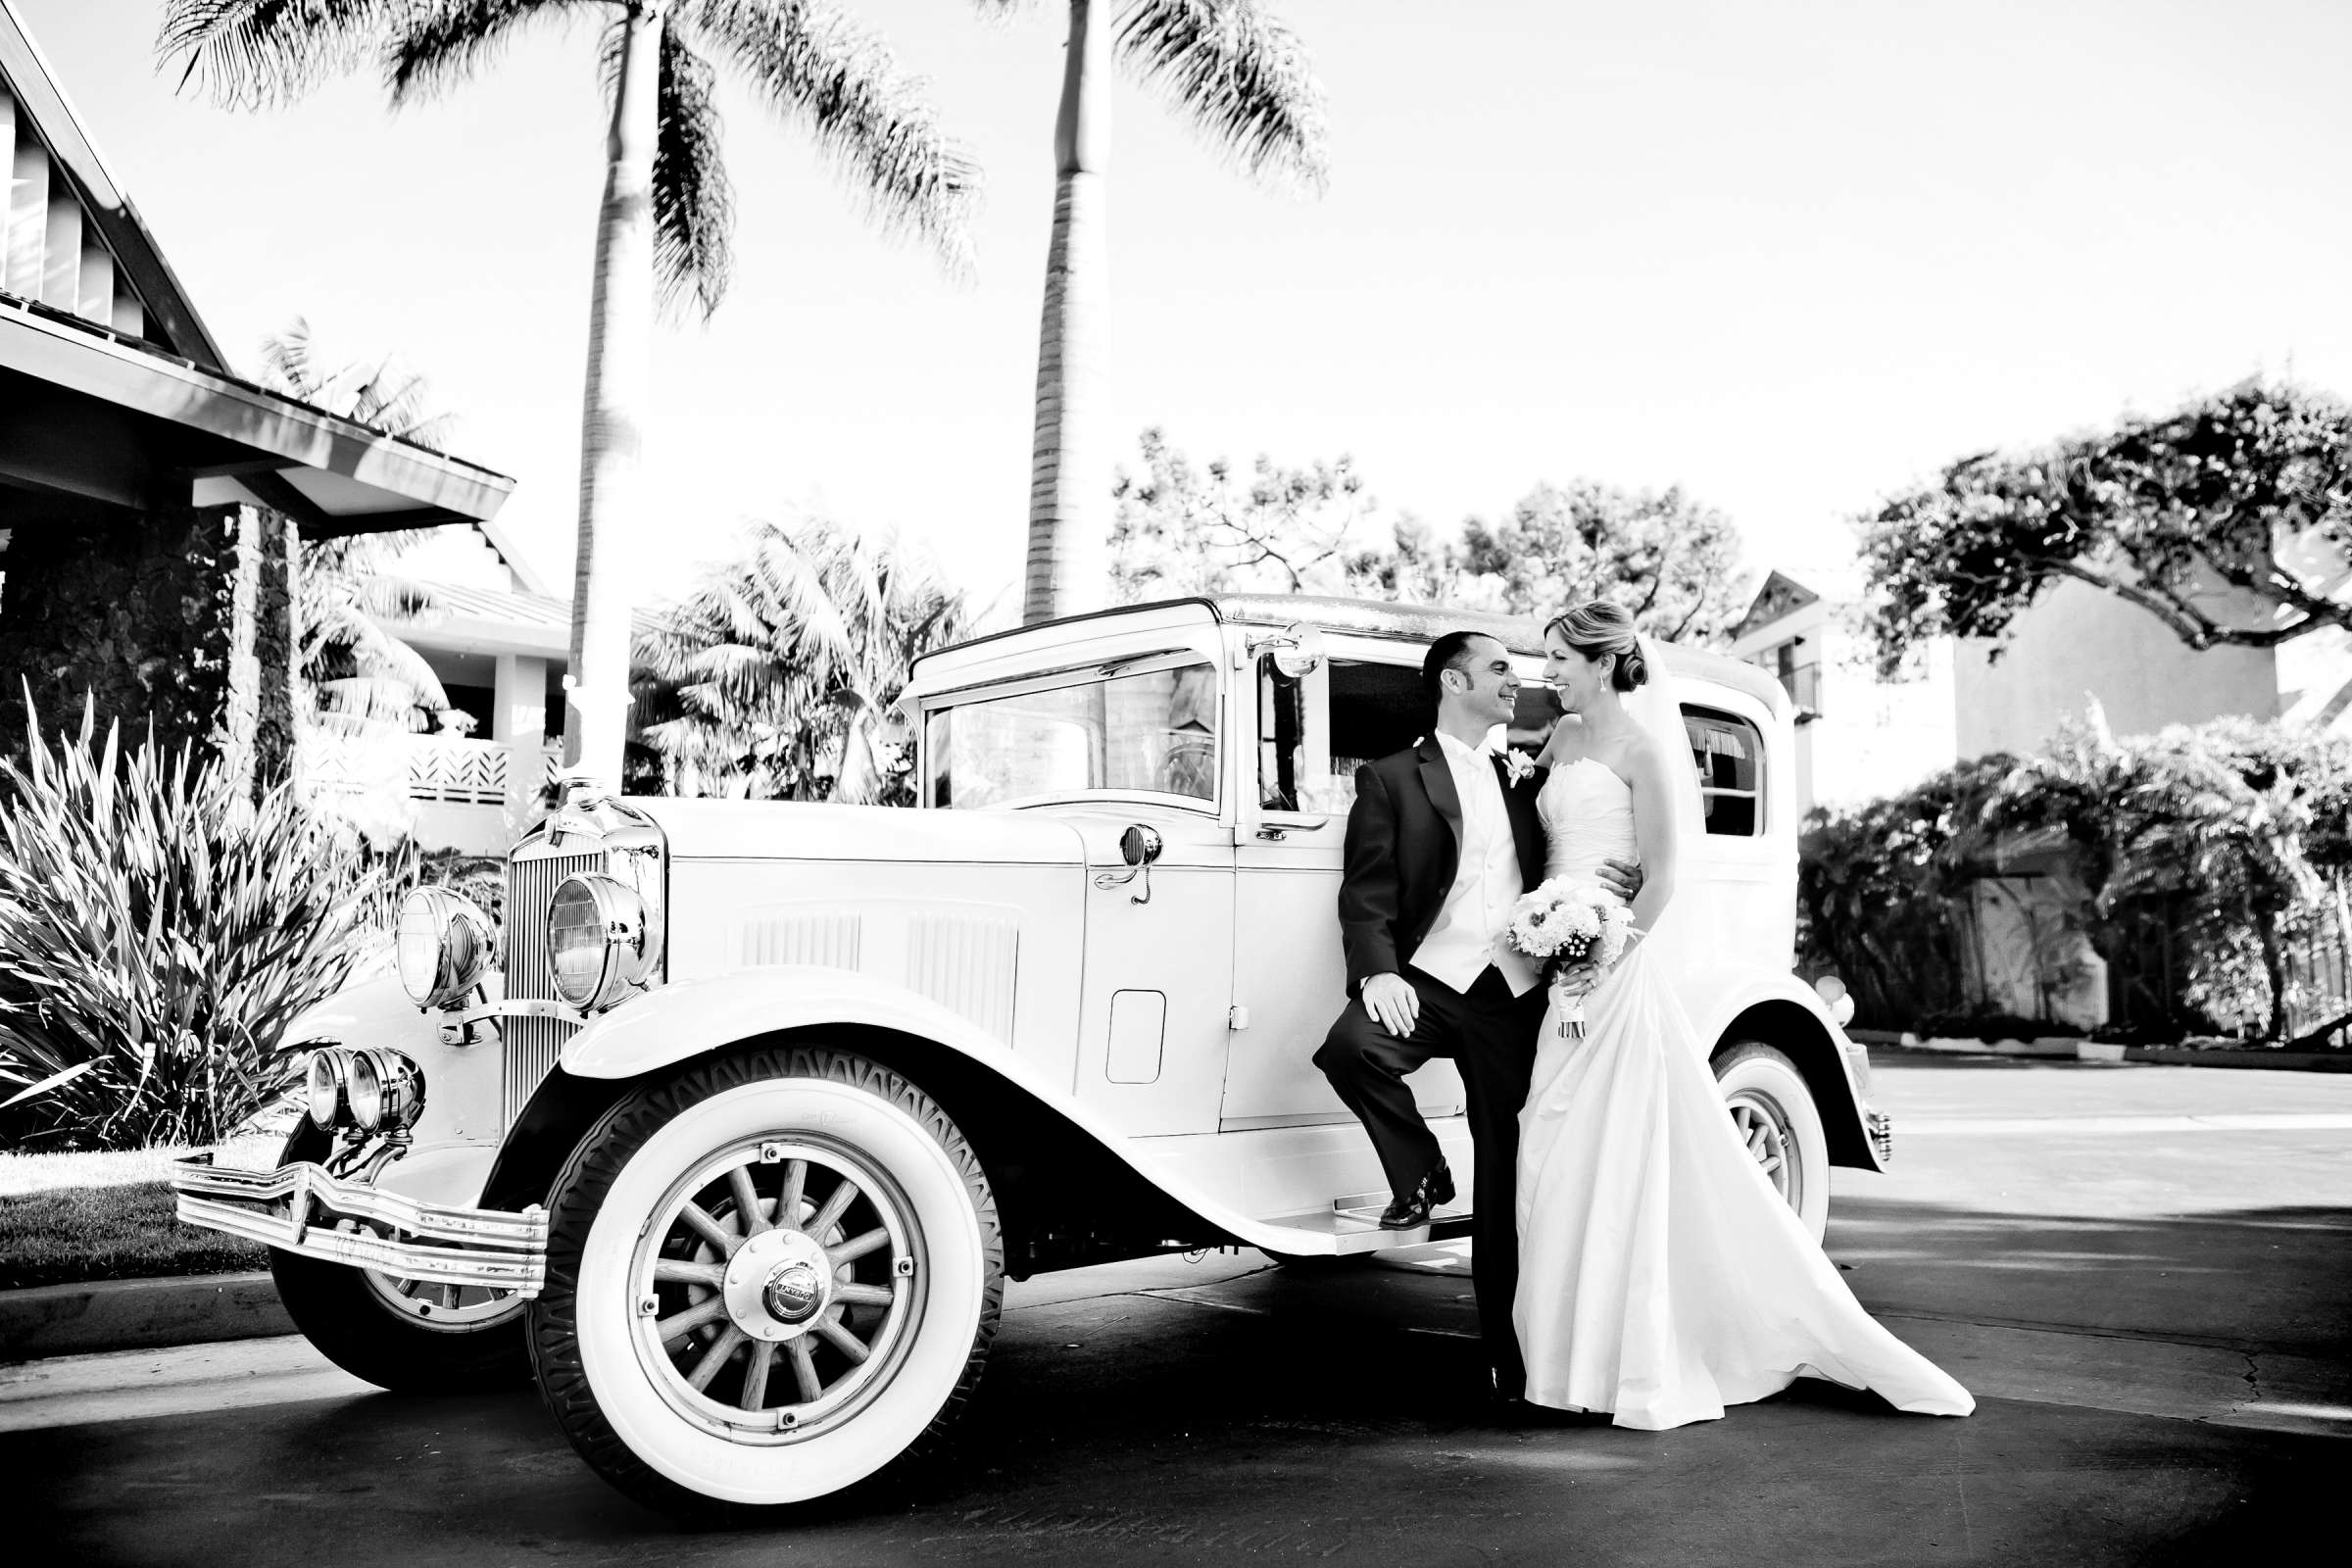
[1655, 831]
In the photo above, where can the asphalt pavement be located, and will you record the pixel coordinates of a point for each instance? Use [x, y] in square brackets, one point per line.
[2141, 1272]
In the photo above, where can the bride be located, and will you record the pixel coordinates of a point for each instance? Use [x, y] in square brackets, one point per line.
[1661, 1277]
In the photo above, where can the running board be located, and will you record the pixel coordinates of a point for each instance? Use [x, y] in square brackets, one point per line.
[1352, 1225]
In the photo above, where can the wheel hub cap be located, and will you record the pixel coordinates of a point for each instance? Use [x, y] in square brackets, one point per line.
[793, 1292]
[777, 1284]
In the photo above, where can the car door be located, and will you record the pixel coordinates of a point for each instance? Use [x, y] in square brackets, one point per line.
[1290, 978]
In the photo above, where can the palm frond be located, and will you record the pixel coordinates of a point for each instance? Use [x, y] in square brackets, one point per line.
[841, 84]
[436, 44]
[694, 201]
[1240, 75]
[259, 53]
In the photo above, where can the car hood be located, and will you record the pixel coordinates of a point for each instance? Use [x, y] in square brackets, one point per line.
[800, 830]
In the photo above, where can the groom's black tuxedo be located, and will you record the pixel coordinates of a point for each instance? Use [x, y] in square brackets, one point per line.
[1404, 840]
[1404, 850]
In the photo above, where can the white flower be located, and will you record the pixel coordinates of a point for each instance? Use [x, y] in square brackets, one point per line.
[1515, 765]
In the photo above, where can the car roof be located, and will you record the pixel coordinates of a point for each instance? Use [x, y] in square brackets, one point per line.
[1403, 621]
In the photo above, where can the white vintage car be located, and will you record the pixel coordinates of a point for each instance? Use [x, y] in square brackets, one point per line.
[738, 1133]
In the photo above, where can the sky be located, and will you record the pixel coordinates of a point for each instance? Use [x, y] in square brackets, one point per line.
[1792, 257]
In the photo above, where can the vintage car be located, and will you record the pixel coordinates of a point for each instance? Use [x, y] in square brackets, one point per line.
[736, 1131]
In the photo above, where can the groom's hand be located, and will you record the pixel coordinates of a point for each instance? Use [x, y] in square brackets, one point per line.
[1392, 1003]
[1621, 877]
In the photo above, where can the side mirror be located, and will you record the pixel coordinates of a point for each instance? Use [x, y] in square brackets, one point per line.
[1139, 846]
[1297, 649]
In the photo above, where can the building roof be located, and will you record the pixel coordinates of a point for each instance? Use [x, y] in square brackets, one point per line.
[1782, 595]
[112, 385]
[484, 620]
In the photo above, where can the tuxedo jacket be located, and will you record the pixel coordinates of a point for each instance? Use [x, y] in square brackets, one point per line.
[1404, 842]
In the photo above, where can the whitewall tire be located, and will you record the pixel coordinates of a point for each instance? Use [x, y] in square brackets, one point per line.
[1774, 1112]
[769, 1276]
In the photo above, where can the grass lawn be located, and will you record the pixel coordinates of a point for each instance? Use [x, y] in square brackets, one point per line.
[66, 1218]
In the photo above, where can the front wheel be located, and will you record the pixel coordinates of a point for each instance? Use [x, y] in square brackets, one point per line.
[409, 1336]
[1773, 1111]
[769, 1276]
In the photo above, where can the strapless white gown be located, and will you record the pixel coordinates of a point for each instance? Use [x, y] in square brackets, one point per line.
[1660, 1275]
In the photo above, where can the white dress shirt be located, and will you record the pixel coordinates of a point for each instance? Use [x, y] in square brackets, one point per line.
[1486, 882]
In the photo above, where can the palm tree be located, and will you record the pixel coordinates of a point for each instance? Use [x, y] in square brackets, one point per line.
[780, 670]
[667, 215]
[354, 677]
[1245, 79]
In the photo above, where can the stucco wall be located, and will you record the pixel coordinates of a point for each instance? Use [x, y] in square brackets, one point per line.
[2078, 642]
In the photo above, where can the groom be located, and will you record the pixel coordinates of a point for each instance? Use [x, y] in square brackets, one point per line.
[1442, 840]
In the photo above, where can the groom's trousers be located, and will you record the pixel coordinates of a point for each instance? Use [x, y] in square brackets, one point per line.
[1490, 1036]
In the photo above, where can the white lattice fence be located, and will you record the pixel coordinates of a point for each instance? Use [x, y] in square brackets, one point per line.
[467, 772]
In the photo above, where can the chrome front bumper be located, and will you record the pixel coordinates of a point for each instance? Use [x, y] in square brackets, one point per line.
[301, 1209]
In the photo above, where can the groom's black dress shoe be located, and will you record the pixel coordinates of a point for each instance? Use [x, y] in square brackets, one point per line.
[1413, 1209]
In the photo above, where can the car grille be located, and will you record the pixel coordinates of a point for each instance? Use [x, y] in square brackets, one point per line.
[531, 1044]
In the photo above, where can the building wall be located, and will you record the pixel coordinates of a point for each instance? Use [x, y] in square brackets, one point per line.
[1867, 737]
[2077, 643]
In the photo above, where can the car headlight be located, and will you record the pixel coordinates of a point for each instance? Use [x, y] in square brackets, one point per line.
[443, 946]
[385, 1090]
[596, 941]
[324, 1091]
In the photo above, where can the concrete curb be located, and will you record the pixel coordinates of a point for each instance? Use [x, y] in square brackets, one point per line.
[135, 1314]
[2056, 1048]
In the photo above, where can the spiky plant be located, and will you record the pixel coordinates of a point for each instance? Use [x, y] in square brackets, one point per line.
[789, 658]
[1237, 71]
[667, 215]
[158, 933]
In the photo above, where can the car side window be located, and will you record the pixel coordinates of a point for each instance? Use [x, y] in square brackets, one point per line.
[1375, 709]
[1728, 753]
[1154, 730]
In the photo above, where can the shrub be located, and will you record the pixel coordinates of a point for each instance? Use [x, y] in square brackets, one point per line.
[2231, 839]
[158, 934]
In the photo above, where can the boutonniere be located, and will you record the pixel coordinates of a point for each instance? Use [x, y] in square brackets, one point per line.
[1516, 768]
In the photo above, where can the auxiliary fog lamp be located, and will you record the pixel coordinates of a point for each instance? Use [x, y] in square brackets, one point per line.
[443, 946]
[372, 1089]
[599, 947]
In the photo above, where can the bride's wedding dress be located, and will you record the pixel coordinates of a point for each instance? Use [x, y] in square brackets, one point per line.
[1660, 1276]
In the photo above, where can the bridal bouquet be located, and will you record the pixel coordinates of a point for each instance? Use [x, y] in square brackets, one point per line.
[1563, 922]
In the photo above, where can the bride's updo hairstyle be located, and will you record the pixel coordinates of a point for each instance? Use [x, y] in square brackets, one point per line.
[1596, 627]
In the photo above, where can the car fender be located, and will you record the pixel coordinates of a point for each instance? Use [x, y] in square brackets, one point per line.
[461, 1081]
[1722, 1001]
[692, 1017]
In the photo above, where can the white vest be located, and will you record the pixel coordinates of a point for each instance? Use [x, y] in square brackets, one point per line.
[1461, 943]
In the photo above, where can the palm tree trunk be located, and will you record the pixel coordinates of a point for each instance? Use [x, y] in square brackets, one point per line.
[612, 438]
[1070, 546]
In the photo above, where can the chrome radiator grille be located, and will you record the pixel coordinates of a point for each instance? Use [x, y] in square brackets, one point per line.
[531, 1043]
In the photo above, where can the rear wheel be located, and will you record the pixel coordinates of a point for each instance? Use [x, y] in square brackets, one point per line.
[1774, 1112]
[769, 1276]
[409, 1336]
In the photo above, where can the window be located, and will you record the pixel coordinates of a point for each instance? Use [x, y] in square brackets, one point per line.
[1152, 731]
[1375, 709]
[1728, 755]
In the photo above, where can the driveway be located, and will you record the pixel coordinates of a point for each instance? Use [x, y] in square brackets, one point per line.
[2143, 1272]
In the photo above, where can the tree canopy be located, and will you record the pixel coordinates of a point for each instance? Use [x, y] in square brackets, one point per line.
[1670, 560]
[1183, 527]
[2228, 519]
[1186, 529]
[777, 674]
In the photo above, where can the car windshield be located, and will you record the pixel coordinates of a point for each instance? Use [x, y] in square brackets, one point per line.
[1153, 731]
